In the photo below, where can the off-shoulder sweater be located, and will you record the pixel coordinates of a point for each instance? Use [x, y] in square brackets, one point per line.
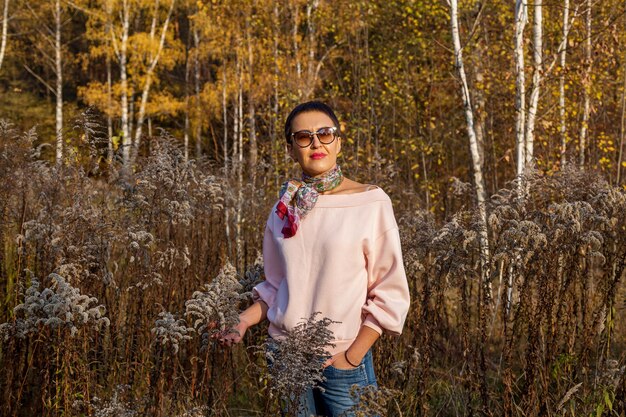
[345, 262]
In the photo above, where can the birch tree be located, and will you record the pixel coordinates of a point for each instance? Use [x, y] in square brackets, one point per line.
[521, 18]
[153, 60]
[473, 143]
[584, 127]
[5, 27]
[622, 132]
[48, 45]
[58, 63]
[120, 45]
[529, 134]
[562, 60]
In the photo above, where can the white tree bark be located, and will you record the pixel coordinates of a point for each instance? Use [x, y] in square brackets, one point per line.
[529, 136]
[239, 211]
[520, 87]
[121, 52]
[225, 146]
[310, 82]
[294, 35]
[186, 129]
[622, 132]
[59, 82]
[620, 156]
[584, 127]
[253, 151]
[109, 110]
[154, 59]
[5, 27]
[562, 60]
[275, 124]
[473, 144]
[198, 105]
[225, 120]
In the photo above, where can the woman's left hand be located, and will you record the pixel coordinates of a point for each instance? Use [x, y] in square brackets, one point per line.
[338, 360]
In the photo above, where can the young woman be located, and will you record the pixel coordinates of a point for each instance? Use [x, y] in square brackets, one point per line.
[331, 245]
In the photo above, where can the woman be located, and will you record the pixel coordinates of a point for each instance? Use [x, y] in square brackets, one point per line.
[331, 245]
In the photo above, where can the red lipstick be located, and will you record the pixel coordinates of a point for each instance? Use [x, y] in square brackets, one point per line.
[318, 156]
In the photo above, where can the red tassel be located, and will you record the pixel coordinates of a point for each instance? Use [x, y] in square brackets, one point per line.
[281, 210]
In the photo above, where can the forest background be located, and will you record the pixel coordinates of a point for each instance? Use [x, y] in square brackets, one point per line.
[142, 148]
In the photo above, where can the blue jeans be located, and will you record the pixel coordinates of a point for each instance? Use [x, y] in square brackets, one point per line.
[334, 399]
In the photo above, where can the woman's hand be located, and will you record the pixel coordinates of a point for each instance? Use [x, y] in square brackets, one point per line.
[233, 335]
[338, 360]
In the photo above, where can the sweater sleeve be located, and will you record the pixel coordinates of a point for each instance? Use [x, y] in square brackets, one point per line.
[388, 292]
[273, 268]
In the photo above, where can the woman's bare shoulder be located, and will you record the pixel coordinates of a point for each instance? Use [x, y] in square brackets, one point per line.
[353, 187]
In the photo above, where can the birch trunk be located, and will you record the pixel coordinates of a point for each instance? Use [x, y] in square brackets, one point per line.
[131, 113]
[5, 28]
[622, 133]
[529, 136]
[473, 145]
[59, 82]
[225, 146]
[275, 125]
[296, 54]
[239, 216]
[562, 59]
[584, 128]
[225, 119]
[186, 128]
[154, 59]
[520, 87]
[310, 82]
[198, 105]
[253, 152]
[122, 57]
[109, 110]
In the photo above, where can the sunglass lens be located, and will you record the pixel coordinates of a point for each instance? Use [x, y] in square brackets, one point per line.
[302, 138]
[325, 134]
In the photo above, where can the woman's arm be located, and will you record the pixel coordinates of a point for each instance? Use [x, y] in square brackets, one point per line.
[252, 315]
[357, 350]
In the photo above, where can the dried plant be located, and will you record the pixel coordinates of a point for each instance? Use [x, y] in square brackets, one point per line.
[371, 401]
[217, 307]
[295, 360]
[115, 406]
[170, 331]
[545, 320]
[58, 306]
[253, 275]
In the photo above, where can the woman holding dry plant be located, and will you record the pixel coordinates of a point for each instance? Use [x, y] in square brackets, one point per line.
[332, 247]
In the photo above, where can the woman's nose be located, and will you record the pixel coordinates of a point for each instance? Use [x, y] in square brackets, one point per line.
[315, 143]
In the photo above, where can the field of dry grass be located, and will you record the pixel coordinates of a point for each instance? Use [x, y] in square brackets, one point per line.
[109, 278]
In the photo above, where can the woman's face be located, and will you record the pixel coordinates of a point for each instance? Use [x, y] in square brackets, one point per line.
[317, 158]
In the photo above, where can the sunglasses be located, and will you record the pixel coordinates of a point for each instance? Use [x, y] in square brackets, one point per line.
[304, 138]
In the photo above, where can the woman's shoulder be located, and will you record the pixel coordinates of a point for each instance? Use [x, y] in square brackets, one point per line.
[349, 186]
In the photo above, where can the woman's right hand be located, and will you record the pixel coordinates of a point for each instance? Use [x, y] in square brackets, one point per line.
[233, 335]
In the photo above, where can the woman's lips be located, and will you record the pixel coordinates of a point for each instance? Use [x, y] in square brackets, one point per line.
[318, 156]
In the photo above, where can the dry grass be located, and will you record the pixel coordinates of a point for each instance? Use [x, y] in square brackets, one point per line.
[108, 279]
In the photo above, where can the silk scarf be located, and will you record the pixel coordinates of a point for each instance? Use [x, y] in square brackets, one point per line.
[298, 197]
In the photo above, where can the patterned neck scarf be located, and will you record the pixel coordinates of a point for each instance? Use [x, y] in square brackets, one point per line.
[297, 198]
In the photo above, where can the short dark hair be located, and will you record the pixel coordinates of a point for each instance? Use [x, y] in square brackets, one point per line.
[310, 106]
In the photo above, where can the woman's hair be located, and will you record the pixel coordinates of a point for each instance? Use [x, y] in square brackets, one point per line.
[310, 106]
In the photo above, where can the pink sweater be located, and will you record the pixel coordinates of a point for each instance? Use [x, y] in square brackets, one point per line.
[344, 261]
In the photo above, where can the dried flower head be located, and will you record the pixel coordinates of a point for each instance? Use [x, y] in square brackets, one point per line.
[58, 306]
[216, 308]
[170, 331]
[295, 360]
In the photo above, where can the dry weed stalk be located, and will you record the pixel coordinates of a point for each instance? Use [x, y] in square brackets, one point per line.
[295, 361]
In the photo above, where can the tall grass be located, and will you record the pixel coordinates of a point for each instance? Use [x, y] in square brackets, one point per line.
[109, 277]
